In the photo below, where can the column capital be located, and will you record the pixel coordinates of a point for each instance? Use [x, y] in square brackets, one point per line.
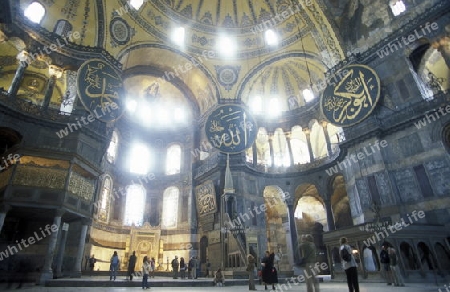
[324, 124]
[306, 130]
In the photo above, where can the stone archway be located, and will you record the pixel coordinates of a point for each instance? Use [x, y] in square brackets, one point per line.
[277, 227]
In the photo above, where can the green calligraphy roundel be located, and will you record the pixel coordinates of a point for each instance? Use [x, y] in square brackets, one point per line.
[351, 96]
[231, 129]
[100, 87]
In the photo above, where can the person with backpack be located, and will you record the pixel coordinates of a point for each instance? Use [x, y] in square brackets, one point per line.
[384, 259]
[114, 266]
[349, 265]
[396, 274]
[175, 265]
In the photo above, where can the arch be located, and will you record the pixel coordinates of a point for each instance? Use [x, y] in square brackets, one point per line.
[340, 204]
[443, 255]
[263, 148]
[277, 217]
[371, 260]
[309, 209]
[161, 61]
[409, 256]
[426, 256]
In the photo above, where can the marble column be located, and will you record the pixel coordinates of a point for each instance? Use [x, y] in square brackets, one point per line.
[272, 153]
[288, 141]
[293, 229]
[3, 211]
[55, 73]
[255, 154]
[327, 138]
[47, 272]
[62, 249]
[330, 216]
[308, 142]
[20, 72]
[77, 268]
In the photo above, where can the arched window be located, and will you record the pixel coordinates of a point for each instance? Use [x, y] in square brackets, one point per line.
[170, 207]
[173, 159]
[112, 149]
[105, 199]
[299, 146]
[281, 150]
[34, 12]
[134, 206]
[62, 27]
[140, 159]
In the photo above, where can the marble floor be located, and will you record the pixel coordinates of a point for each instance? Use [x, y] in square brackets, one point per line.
[327, 287]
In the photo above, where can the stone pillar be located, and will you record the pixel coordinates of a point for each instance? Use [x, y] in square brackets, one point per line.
[288, 141]
[272, 154]
[47, 272]
[55, 73]
[20, 72]
[330, 215]
[77, 268]
[255, 154]
[327, 138]
[308, 142]
[62, 248]
[293, 229]
[3, 211]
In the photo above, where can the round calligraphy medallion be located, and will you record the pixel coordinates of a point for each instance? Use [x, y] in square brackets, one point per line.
[351, 96]
[231, 129]
[100, 87]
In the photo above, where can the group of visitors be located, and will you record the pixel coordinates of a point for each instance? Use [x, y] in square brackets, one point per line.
[148, 268]
[268, 272]
[181, 266]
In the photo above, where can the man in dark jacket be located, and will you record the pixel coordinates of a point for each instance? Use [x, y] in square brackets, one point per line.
[384, 259]
[131, 265]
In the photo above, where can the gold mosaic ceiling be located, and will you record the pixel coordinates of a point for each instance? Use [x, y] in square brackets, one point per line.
[141, 38]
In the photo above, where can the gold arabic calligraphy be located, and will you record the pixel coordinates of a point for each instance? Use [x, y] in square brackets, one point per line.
[350, 97]
[102, 86]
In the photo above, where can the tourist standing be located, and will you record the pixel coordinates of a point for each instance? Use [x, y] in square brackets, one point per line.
[384, 259]
[131, 265]
[349, 265]
[114, 266]
[395, 269]
[194, 268]
[182, 268]
[251, 272]
[145, 271]
[175, 266]
[308, 251]
[92, 261]
[208, 267]
[269, 272]
[152, 268]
